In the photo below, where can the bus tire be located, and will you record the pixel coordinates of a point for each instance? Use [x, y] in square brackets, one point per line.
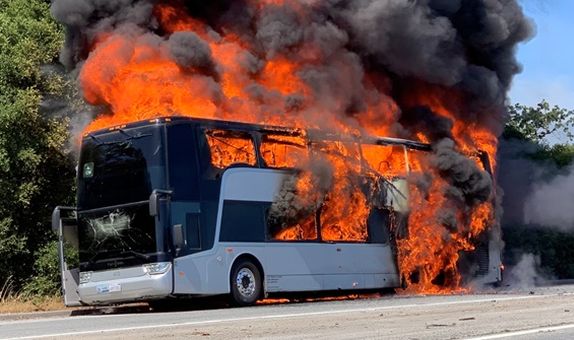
[245, 283]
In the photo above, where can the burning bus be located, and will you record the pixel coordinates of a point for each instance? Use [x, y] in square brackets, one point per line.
[233, 146]
[180, 207]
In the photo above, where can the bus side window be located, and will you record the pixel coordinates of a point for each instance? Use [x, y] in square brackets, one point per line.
[386, 160]
[242, 221]
[279, 228]
[339, 221]
[230, 147]
[193, 231]
[280, 151]
[183, 162]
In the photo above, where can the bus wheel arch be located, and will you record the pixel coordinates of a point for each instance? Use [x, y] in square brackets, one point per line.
[246, 280]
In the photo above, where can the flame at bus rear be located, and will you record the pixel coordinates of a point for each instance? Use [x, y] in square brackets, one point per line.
[419, 71]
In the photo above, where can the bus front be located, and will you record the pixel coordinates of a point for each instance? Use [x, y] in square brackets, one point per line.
[122, 249]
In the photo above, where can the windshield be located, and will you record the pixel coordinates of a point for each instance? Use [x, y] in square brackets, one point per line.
[118, 237]
[122, 166]
[117, 172]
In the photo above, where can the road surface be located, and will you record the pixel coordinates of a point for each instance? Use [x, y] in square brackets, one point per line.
[542, 313]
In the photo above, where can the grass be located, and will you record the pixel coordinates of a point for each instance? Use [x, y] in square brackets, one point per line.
[13, 301]
[21, 304]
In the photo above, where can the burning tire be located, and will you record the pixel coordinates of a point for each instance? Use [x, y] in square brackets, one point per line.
[245, 283]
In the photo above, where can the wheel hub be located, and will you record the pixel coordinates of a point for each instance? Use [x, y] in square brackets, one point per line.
[245, 282]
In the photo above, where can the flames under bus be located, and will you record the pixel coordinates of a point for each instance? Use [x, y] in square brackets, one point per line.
[181, 207]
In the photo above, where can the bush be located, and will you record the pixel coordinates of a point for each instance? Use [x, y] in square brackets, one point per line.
[555, 248]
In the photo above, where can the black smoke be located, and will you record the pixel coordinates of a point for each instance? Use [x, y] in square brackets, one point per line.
[86, 19]
[464, 44]
[191, 53]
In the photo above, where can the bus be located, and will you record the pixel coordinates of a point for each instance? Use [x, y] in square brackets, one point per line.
[180, 207]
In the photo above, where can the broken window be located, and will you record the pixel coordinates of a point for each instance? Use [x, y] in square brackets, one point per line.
[283, 151]
[344, 209]
[230, 147]
[343, 155]
[280, 229]
[292, 215]
[117, 237]
[386, 160]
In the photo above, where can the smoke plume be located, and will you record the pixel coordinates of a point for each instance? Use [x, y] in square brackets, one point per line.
[550, 202]
[537, 191]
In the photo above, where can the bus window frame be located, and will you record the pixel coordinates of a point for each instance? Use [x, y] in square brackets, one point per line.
[365, 163]
[269, 236]
[259, 138]
[203, 138]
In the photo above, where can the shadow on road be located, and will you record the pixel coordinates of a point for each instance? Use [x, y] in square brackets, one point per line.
[209, 303]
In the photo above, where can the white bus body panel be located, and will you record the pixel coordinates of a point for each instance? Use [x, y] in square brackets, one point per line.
[290, 266]
[287, 266]
[337, 266]
[208, 273]
[125, 284]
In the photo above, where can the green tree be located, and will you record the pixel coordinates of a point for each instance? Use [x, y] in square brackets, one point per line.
[35, 173]
[534, 126]
[537, 123]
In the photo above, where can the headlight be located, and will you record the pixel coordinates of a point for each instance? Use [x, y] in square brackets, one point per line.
[157, 268]
[85, 277]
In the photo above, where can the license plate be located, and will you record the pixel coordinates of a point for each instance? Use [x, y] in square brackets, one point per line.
[109, 288]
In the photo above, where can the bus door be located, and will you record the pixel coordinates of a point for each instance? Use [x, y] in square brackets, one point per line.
[188, 234]
[65, 225]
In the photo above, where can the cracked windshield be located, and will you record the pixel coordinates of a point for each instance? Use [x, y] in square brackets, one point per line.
[119, 169]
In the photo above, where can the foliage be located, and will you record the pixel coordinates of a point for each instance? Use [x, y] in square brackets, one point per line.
[47, 279]
[561, 155]
[537, 123]
[554, 247]
[534, 126]
[35, 173]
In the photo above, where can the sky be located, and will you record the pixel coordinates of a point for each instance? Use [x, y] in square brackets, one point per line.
[547, 58]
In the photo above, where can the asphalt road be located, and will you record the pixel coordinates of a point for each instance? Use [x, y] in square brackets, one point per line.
[539, 314]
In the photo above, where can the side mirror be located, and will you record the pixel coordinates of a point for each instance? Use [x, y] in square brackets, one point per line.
[69, 214]
[56, 220]
[177, 237]
[154, 198]
[65, 224]
[153, 203]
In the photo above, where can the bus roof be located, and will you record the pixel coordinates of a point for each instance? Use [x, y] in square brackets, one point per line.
[310, 134]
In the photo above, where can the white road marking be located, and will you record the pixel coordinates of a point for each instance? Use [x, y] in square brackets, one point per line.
[524, 332]
[278, 316]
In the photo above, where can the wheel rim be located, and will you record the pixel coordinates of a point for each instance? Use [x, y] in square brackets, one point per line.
[245, 282]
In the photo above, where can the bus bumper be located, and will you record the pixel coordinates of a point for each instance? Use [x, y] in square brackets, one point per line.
[125, 285]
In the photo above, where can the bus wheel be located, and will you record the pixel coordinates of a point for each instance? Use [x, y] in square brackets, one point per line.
[245, 283]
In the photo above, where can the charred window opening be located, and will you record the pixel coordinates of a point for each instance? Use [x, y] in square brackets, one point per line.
[230, 147]
[281, 228]
[366, 203]
[343, 220]
[279, 151]
[340, 154]
[292, 215]
[387, 160]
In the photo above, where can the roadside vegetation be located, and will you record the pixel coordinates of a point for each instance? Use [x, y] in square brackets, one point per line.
[36, 167]
[538, 139]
